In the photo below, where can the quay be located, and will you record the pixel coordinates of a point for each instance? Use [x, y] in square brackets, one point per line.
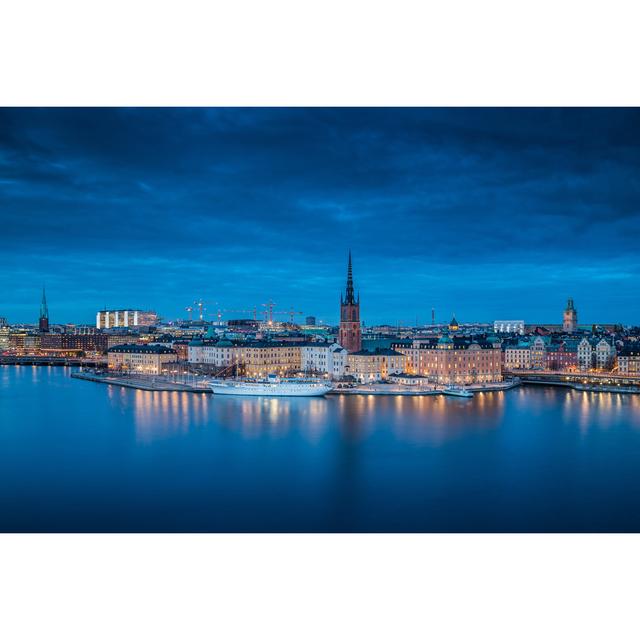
[382, 389]
[144, 383]
[165, 383]
[51, 361]
[598, 382]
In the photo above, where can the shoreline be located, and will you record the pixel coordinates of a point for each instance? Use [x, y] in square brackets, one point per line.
[380, 389]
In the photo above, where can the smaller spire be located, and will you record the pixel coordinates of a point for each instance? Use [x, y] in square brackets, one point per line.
[44, 311]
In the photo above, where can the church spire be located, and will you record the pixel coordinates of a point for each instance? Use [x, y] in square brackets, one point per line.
[350, 297]
[44, 311]
[43, 322]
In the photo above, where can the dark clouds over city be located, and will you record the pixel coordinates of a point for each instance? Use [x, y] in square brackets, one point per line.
[487, 213]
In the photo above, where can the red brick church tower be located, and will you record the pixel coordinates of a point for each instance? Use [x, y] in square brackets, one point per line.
[350, 337]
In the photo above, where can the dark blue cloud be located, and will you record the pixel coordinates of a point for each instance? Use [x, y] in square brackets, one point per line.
[485, 212]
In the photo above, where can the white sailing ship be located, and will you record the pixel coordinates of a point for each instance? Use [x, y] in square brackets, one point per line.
[272, 385]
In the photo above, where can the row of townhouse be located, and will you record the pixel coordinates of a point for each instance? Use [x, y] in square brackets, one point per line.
[545, 352]
[262, 358]
[629, 360]
[313, 358]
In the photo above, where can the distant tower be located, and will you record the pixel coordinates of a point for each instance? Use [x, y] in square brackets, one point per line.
[350, 336]
[570, 318]
[43, 322]
[453, 325]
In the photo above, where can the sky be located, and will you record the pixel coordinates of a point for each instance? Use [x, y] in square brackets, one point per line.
[486, 213]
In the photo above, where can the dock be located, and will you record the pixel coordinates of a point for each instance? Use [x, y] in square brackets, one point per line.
[146, 383]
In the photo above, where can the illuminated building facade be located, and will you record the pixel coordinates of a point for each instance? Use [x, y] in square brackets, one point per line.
[350, 336]
[508, 326]
[454, 360]
[375, 366]
[596, 353]
[323, 358]
[517, 356]
[629, 361]
[142, 359]
[262, 358]
[125, 318]
[561, 356]
[87, 343]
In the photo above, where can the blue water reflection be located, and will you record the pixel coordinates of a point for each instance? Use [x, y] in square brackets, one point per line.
[78, 456]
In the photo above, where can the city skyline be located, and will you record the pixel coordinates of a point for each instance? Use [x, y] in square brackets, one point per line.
[485, 213]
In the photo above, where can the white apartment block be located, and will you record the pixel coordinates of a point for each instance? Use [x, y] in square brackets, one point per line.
[594, 353]
[221, 354]
[517, 357]
[324, 358]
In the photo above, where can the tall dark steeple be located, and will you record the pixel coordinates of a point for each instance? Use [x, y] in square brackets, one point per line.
[350, 333]
[350, 297]
[43, 322]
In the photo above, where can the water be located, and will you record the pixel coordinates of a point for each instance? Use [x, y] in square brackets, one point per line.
[80, 456]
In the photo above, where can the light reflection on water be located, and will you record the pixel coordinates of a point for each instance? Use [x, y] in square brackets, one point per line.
[76, 455]
[417, 419]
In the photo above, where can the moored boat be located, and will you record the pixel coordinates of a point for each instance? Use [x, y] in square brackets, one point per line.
[272, 385]
[460, 392]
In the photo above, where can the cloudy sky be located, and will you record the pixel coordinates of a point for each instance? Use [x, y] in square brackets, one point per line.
[488, 213]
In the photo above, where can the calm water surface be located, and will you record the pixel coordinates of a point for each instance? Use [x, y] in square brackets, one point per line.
[80, 456]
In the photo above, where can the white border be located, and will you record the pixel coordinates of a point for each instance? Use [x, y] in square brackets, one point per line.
[334, 52]
[313, 586]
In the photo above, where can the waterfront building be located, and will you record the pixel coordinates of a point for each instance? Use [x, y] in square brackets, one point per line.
[410, 380]
[350, 336]
[605, 354]
[43, 321]
[374, 366]
[570, 318]
[324, 358]
[263, 358]
[518, 356]
[143, 359]
[508, 326]
[22, 342]
[596, 353]
[629, 360]
[4, 337]
[125, 318]
[562, 356]
[539, 352]
[460, 360]
[410, 349]
[86, 343]
[219, 354]
[585, 354]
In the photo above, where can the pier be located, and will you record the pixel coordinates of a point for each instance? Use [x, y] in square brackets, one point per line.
[605, 382]
[144, 383]
[51, 361]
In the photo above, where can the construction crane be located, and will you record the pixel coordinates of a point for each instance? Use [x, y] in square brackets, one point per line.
[291, 313]
[201, 306]
[268, 312]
